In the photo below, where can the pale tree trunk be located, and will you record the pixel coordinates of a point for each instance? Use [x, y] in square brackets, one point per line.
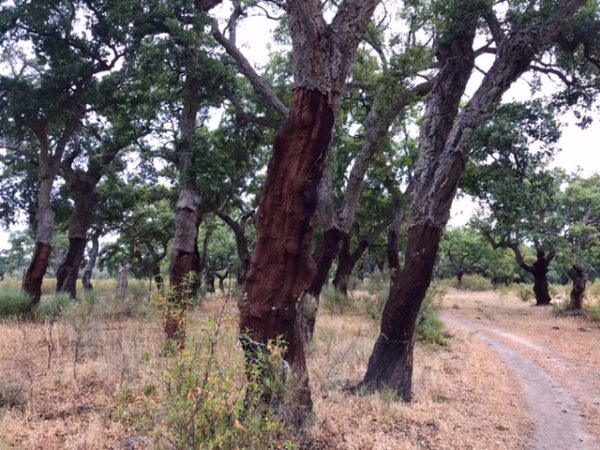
[282, 268]
[185, 267]
[185, 254]
[122, 281]
[442, 159]
[86, 279]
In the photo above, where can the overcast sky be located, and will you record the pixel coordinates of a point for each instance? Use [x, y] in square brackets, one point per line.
[579, 148]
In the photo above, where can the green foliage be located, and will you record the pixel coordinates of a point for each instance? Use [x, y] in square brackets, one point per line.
[52, 306]
[473, 283]
[429, 326]
[13, 302]
[205, 401]
[335, 302]
[524, 292]
[592, 310]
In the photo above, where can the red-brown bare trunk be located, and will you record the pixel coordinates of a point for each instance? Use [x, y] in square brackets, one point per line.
[67, 273]
[32, 282]
[283, 269]
[391, 363]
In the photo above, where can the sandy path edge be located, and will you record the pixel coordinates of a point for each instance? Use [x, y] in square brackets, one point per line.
[558, 425]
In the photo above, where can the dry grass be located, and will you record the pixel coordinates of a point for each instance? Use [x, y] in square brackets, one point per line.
[68, 381]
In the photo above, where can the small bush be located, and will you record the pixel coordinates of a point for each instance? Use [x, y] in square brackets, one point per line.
[52, 306]
[592, 310]
[429, 326]
[335, 302]
[205, 401]
[472, 283]
[13, 302]
[593, 290]
[524, 292]
[375, 303]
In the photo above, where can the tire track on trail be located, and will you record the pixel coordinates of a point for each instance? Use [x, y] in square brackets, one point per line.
[558, 423]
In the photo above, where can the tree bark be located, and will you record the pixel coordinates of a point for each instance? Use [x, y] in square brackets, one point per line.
[282, 268]
[185, 261]
[579, 277]
[241, 243]
[324, 256]
[86, 200]
[443, 154]
[391, 363]
[91, 264]
[34, 276]
[346, 263]
[123, 282]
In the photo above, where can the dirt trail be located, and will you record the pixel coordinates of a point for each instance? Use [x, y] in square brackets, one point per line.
[558, 423]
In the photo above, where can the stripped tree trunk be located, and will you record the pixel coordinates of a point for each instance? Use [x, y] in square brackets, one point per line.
[81, 220]
[442, 158]
[34, 276]
[282, 268]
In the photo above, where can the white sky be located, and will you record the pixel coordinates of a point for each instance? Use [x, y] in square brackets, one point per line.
[579, 148]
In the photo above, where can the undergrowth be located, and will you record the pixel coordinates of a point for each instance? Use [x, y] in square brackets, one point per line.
[206, 399]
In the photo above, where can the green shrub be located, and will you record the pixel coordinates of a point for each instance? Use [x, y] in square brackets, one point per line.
[52, 306]
[335, 302]
[429, 326]
[473, 283]
[13, 302]
[592, 310]
[374, 304]
[593, 290]
[524, 292]
[205, 401]
[377, 282]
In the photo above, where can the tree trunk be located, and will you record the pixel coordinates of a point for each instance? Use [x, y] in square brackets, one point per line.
[68, 271]
[283, 269]
[209, 279]
[459, 277]
[540, 288]
[34, 276]
[185, 262]
[89, 267]
[324, 256]
[346, 263]
[540, 279]
[79, 224]
[579, 277]
[391, 363]
[122, 282]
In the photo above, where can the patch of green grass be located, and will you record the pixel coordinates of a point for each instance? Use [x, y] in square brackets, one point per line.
[13, 302]
[335, 302]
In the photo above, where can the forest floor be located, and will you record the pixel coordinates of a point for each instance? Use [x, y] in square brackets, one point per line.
[73, 381]
[556, 360]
